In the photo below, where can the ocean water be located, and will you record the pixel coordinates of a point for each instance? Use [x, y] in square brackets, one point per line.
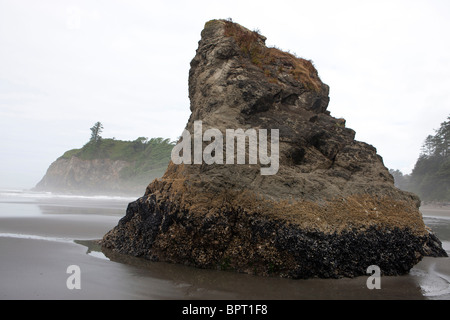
[440, 226]
[42, 234]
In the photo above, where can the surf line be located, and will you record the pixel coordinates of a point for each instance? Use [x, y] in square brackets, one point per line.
[34, 237]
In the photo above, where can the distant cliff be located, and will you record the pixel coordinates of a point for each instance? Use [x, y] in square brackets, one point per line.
[108, 167]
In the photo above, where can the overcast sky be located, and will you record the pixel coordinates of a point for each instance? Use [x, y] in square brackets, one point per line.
[66, 64]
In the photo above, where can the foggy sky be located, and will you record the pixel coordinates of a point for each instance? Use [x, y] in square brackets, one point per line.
[66, 64]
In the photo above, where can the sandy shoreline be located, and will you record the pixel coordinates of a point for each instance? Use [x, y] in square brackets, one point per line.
[36, 250]
[36, 269]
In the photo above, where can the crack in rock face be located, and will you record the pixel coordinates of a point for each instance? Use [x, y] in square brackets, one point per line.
[330, 211]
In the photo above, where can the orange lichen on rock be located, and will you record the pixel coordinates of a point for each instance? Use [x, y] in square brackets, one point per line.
[272, 61]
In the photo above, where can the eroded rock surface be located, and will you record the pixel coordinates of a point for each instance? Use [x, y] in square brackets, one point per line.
[330, 211]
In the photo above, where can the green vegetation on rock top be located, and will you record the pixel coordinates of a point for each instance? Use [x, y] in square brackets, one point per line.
[148, 158]
[157, 148]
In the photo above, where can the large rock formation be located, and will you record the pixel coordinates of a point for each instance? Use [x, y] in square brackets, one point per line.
[331, 210]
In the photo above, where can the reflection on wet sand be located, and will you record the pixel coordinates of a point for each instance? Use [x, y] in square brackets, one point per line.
[244, 286]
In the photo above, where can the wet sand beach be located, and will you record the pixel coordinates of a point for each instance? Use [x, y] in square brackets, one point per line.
[41, 235]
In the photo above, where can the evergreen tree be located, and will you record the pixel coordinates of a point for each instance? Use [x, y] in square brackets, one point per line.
[430, 178]
[96, 130]
[401, 180]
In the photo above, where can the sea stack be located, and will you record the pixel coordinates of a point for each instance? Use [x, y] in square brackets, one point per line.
[331, 209]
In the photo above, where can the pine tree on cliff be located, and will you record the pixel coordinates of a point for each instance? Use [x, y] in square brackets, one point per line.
[96, 130]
